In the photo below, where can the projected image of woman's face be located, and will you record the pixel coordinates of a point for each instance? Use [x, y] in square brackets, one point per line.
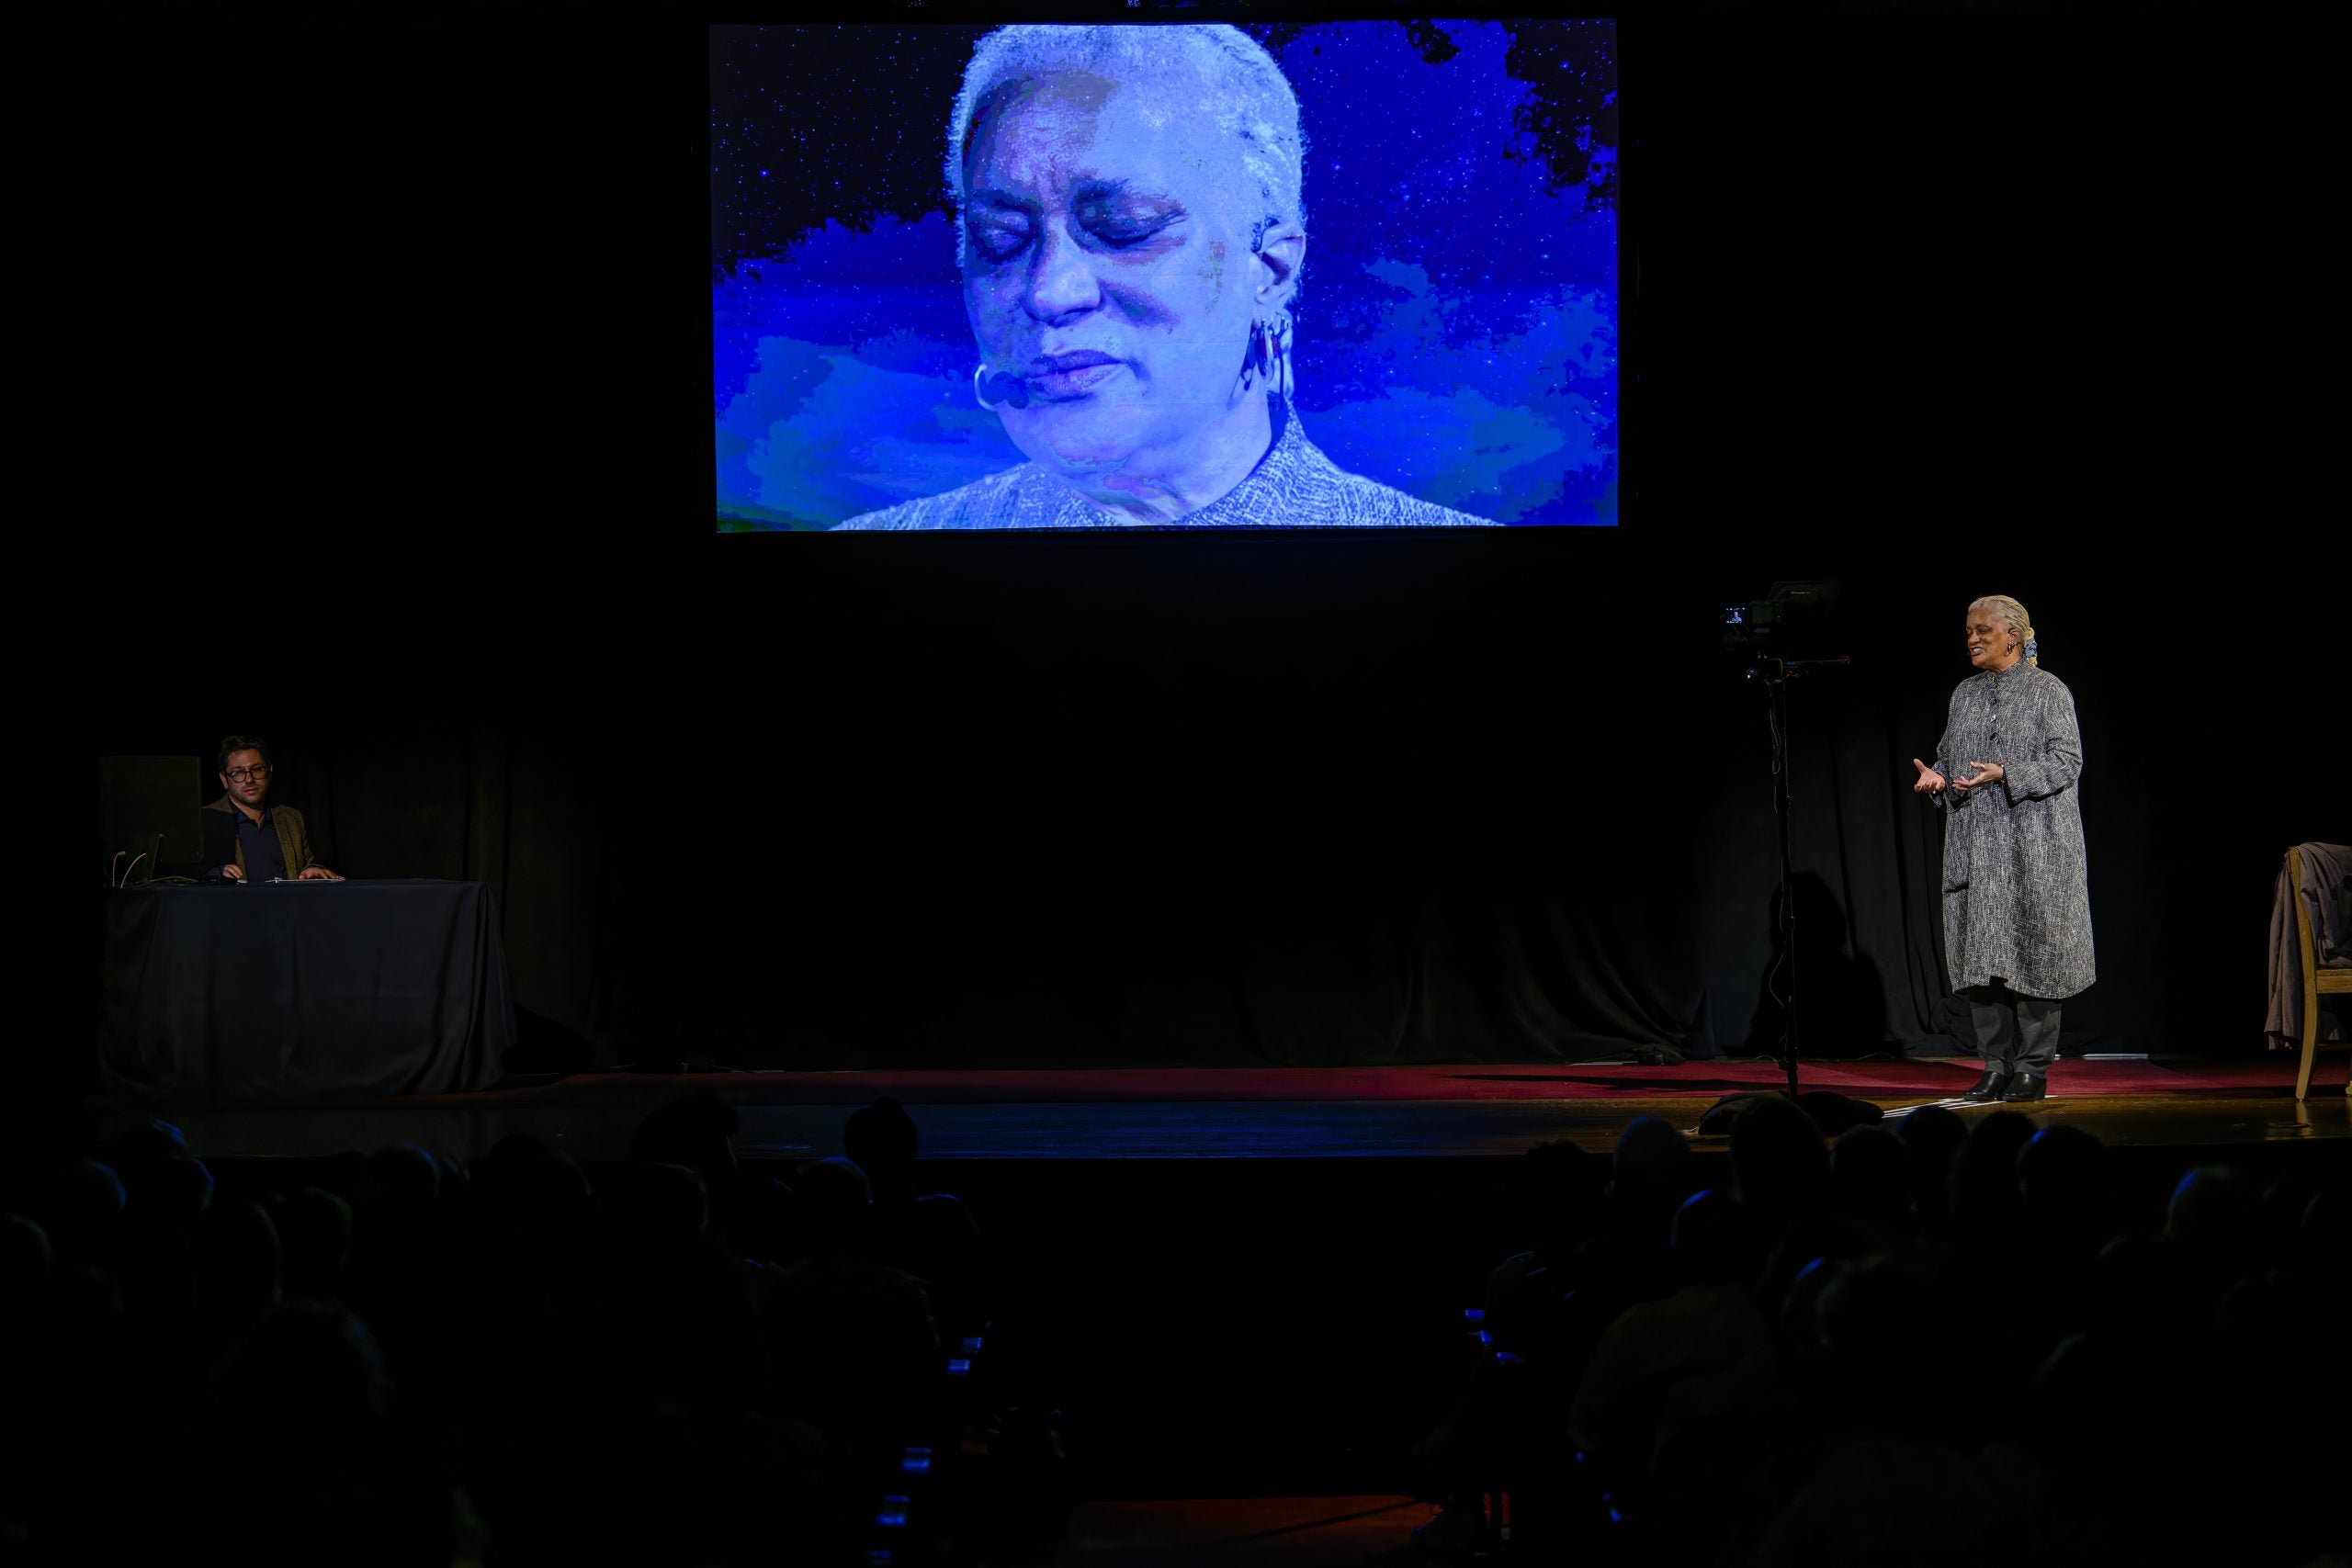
[1047, 276]
[1108, 263]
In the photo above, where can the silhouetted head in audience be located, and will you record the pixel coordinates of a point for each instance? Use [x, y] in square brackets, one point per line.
[1713, 1241]
[881, 1138]
[697, 1130]
[510, 1163]
[1982, 1190]
[765, 1225]
[1800, 1321]
[1555, 1190]
[2216, 1216]
[1649, 1175]
[542, 1214]
[1777, 1160]
[154, 1139]
[174, 1196]
[82, 1208]
[2062, 1193]
[1874, 1320]
[306, 1366]
[1869, 1175]
[314, 1230]
[139, 1150]
[2089, 1402]
[1805, 1238]
[663, 1204]
[834, 1204]
[238, 1265]
[2212, 1205]
[457, 1180]
[170, 1194]
[25, 1260]
[506, 1160]
[2134, 1290]
[1933, 1134]
[397, 1183]
[2063, 1166]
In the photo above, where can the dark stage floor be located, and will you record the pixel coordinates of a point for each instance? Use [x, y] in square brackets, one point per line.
[1249, 1113]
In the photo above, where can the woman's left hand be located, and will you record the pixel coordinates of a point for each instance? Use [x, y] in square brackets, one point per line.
[1987, 773]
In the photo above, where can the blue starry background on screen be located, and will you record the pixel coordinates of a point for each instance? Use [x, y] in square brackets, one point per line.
[1457, 332]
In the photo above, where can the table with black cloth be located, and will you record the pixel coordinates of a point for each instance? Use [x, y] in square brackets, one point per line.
[292, 988]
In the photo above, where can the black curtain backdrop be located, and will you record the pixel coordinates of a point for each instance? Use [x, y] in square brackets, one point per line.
[1949, 303]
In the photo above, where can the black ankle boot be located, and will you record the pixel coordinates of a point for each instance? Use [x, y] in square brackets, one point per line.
[2025, 1086]
[1989, 1088]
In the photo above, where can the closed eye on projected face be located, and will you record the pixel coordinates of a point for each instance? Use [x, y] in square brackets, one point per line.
[1108, 215]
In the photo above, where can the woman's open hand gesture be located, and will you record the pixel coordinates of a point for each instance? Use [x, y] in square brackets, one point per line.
[1930, 781]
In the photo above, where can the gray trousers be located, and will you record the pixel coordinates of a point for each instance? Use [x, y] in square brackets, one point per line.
[2015, 1032]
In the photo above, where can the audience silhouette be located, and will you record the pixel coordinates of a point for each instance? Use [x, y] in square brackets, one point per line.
[1933, 1340]
[1939, 1340]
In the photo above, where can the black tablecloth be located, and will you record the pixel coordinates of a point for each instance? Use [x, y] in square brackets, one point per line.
[300, 988]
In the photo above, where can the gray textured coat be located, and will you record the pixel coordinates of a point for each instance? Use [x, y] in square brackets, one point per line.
[2016, 907]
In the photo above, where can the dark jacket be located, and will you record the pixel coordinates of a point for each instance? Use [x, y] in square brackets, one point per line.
[221, 848]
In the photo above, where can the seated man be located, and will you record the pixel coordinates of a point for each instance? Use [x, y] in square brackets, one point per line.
[252, 841]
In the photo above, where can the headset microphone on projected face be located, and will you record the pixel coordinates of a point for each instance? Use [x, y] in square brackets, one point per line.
[994, 387]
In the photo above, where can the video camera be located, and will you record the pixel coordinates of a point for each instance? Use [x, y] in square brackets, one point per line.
[1793, 627]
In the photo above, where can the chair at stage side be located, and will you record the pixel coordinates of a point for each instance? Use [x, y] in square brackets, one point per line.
[2316, 981]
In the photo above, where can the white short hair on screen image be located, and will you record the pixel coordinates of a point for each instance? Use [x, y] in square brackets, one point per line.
[1238, 89]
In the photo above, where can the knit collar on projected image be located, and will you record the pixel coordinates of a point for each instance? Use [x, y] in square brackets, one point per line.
[1286, 456]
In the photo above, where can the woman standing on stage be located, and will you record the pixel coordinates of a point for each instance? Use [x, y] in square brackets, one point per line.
[2017, 909]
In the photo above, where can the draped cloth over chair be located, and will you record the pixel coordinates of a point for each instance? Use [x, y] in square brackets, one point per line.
[2311, 951]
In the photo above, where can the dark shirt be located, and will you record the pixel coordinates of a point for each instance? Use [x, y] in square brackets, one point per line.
[264, 861]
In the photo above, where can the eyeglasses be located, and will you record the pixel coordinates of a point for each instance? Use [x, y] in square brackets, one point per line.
[241, 775]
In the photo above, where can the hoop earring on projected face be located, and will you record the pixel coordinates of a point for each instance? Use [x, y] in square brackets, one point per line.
[979, 385]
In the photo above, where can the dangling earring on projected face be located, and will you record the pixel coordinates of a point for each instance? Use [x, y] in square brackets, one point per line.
[1268, 356]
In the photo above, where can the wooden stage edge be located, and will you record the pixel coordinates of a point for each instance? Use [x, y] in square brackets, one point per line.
[592, 1119]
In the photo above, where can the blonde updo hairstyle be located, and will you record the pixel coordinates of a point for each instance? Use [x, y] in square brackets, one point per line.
[2012, 616]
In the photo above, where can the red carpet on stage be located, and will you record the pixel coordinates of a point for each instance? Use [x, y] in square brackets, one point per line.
[1454, 1082]
[1178, 1113]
